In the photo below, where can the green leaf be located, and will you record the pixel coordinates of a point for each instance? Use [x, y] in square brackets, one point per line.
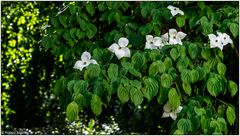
[123, 94]
[138, 60]
[72, 9]
[195, 75]
[136, 84]
[63, 20]
[221, 68]
[115, 82]
[185, 125]
[90, 8]
[187, 88]
[186, 76]
[230, 115]
[233, 88]
[234, 29]
[182, 50]
[70, 85]
[112, 71]
[163, 95]
[206, 54]
[168, 63]
[146, 29]
[59, 86]
[117, 17]
[72, 111]
[96, 105]
[136, 96]
[55, 21]
[135, 72]
[79, 100]
[111, 17]
[166, 80]
[98, 88]
[127, 65]
[180, 20]
[199, 111]
[182, 63]
[80, 34]
[174, 99]
[213, 86]
[80, 86]
[92, 71]
[150, 88]
[193, 51]
[91, 30]
[202, 72]
[174, 54]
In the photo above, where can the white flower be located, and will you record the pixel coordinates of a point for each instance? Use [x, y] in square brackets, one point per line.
[120, 49]
[85, 61]
[153, 42]
[215, 41]
[176, 37]
[174, 10]
[169, 112]
[225, 39]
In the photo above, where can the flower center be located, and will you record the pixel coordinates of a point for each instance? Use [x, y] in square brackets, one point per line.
[84, 63]
[119, 48]
[216, 41]
[174, 37]
[151, 42]
[224, 38]
[175, 9]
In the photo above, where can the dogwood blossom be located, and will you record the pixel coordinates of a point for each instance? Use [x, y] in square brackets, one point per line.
[176, 37]
[174, 10]
[85, 61]
[225, 39]
[120, 49]
[153, 42]
[215, 41]
[169, 112]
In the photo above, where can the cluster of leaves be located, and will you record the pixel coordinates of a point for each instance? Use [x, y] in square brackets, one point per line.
[192, 74]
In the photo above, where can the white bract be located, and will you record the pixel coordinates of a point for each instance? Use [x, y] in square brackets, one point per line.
[120, 49]
[215, 41]
[169, 112]
[176, 37]
[225, 39]
[85, 61]
[153, 42]
[174, 10]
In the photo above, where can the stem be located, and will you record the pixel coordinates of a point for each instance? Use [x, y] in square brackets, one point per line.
[222, 101]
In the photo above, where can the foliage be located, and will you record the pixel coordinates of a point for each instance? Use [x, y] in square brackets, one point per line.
[192, 75]
[26, 69]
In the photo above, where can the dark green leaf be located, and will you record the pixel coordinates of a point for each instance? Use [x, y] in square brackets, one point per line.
[113, 71]
[90, 8]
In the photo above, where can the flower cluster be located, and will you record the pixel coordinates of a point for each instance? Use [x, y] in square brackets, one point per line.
[171, 38]
[219, 41]
[169, 112]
